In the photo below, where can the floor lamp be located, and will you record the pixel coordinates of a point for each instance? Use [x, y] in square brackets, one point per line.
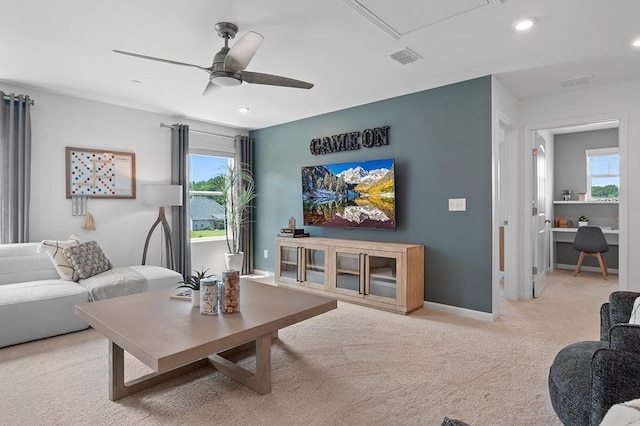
[161, 196]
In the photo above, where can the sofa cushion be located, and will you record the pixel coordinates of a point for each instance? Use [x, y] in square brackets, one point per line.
[21, 262]
[113, 283]
[87, 259]
[39, 309]
[55, 251]
[158, 277]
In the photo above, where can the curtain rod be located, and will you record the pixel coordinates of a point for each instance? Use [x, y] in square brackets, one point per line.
[31, 101]
[170, 126]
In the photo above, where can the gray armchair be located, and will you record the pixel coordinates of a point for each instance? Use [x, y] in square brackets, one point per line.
[588, 378]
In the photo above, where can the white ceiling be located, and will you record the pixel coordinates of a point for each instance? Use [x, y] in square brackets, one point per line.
[66, 47]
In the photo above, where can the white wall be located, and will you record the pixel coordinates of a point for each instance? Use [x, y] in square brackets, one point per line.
[121, 225]
[613, 100]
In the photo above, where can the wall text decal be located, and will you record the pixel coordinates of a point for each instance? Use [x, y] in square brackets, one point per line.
[378, 136]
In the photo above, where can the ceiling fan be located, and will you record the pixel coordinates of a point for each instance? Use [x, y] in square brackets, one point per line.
[228, 68]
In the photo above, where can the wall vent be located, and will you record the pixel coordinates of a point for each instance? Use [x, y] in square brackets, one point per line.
[405, 56]
[576, 81]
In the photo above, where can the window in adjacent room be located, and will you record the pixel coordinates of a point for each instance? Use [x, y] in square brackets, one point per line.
[206, 207]
[603, 174]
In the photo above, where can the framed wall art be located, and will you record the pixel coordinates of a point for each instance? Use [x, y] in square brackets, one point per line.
[100, 173]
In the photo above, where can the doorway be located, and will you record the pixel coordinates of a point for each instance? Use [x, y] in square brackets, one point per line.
[532, 229]
[505, 222]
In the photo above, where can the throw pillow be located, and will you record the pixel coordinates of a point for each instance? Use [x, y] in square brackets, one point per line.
[635, 314]
[87, 259]
[54, 250]
[626, 413]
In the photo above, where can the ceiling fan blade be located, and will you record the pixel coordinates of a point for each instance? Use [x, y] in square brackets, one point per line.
[210, 88]
[137, 55]
[273, 80]
[242, 51]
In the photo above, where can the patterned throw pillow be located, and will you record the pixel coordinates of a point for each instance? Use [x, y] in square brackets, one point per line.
[54, 250]
[87, 259]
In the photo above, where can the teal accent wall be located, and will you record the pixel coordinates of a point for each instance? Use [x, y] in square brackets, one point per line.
[441, 142]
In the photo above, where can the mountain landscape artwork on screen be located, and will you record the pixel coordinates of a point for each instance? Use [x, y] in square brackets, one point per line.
[350, 195]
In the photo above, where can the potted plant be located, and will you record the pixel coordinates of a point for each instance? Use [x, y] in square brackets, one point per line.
[193, 282]
[583, 220]
[238, 191]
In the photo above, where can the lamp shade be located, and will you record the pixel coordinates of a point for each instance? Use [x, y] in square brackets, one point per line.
[162, 195]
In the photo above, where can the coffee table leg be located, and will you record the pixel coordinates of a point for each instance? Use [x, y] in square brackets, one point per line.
[260, 382]
[263, 364]
[119, 389]
[116, 372]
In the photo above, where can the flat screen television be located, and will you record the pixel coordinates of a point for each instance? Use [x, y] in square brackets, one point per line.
[359, 194]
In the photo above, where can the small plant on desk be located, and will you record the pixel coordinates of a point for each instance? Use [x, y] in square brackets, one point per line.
[583, 220]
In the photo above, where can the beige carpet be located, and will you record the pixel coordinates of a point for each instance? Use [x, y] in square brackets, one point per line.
[352, 366]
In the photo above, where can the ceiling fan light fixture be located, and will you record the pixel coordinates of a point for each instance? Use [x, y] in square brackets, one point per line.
[226, 80]
[524, 24]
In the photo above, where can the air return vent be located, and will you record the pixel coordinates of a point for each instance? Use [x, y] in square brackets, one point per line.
[405, 56]
[576, 81]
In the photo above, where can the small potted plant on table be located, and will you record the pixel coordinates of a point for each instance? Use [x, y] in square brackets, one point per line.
[193, 282]
[583, 220]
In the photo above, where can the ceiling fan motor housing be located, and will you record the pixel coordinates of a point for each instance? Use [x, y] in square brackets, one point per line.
[219, 75]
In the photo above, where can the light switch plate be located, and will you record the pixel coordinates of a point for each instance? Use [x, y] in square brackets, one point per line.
[457, 204]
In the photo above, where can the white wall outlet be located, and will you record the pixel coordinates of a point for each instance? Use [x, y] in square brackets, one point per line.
[266, 254]
[457, 204]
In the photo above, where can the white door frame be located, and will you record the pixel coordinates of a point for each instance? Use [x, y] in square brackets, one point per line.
[509, 165]
[622, 207]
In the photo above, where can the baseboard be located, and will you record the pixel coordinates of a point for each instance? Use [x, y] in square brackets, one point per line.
[463, 312]
[261, 272]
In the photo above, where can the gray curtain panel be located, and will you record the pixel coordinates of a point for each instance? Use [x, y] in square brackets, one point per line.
[15, 168]
[244, 152]
[181, 232]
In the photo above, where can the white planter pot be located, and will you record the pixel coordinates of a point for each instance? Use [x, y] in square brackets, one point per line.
[195, 298]
[582, 224]
[234, 261]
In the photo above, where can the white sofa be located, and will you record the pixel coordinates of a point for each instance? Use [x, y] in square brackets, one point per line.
[35, 303]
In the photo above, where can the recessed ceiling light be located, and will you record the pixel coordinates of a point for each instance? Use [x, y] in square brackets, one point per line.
[636, 42]
[523, 24]
[243, 110]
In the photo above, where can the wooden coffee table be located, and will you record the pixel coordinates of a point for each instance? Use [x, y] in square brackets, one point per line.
[172, 337]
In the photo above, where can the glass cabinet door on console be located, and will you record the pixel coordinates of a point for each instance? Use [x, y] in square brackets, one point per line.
[382, 277]
[288, 262]
[348, 271]
[314, 267]
[367, 274]
[303, 265]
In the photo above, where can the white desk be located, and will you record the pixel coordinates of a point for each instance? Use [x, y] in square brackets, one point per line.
[567, 235]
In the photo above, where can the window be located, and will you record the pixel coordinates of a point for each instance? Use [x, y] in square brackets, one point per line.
[205, 199]
[603, 173]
